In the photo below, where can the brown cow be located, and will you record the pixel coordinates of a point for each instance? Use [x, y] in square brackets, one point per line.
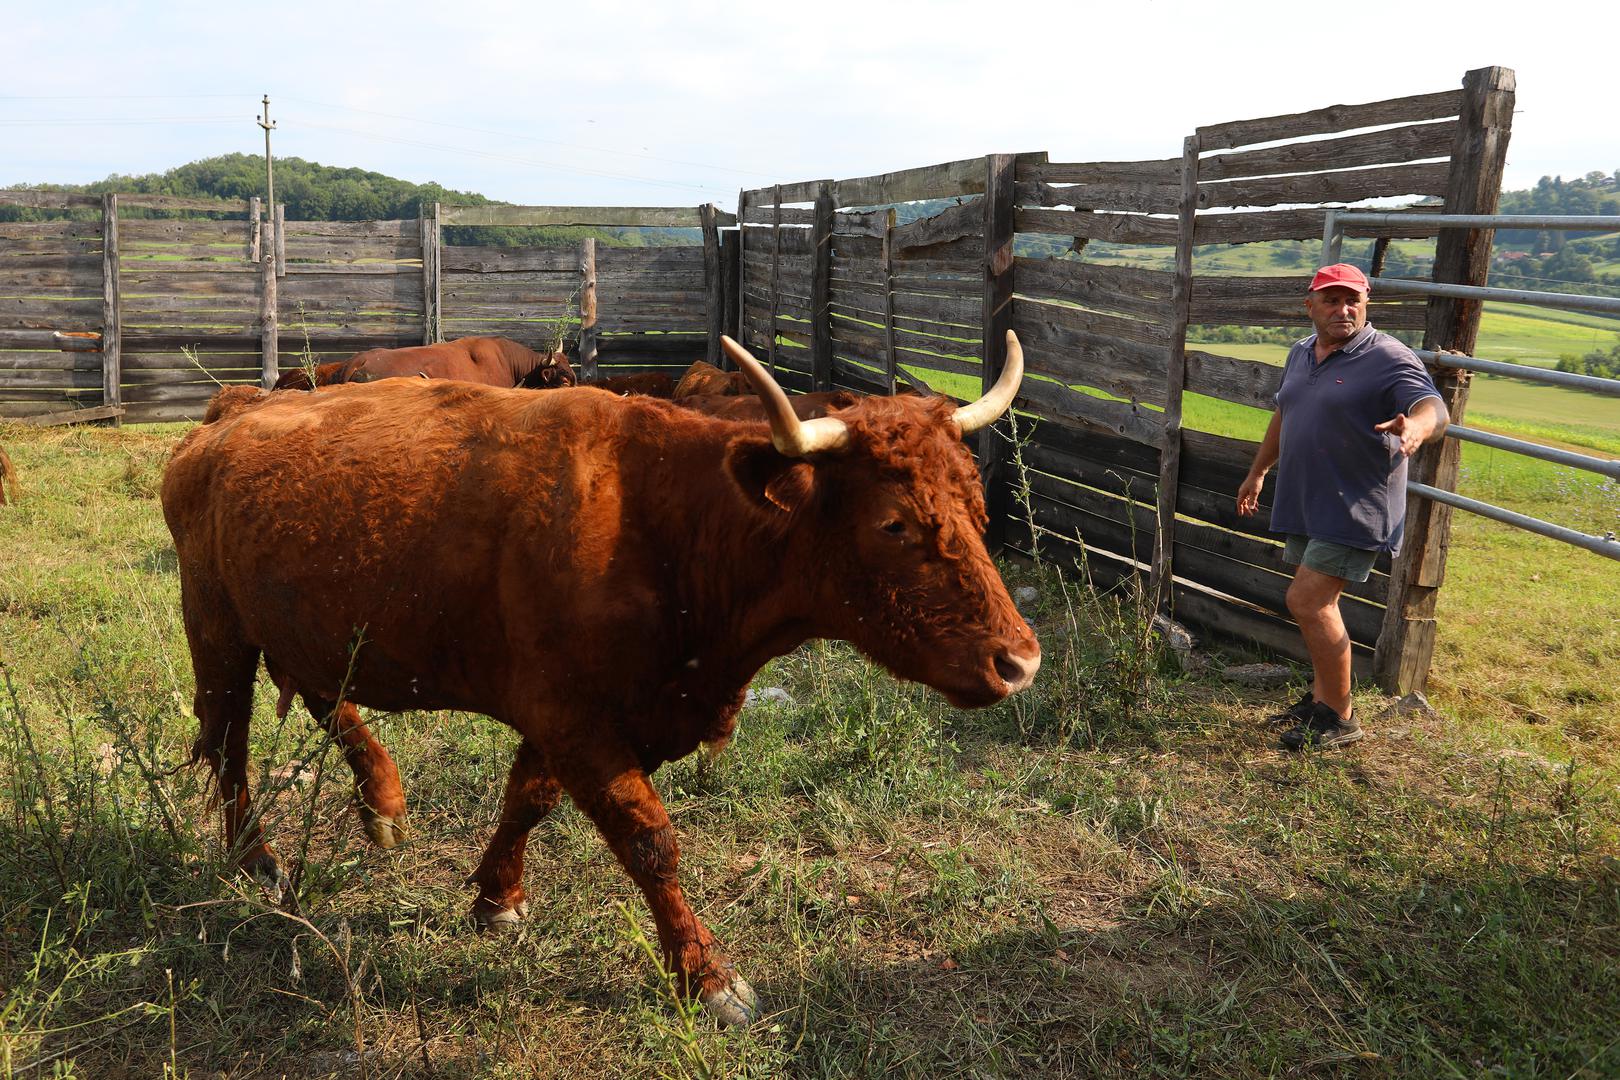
[8, 475]
[493, 361]
[703, 378]
[647, 383]
[752, 407]
[680, 552]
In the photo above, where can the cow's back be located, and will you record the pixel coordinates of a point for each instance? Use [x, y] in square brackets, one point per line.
[396, 512]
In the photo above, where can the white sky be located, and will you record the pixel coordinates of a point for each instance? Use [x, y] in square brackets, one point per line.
[619, 103]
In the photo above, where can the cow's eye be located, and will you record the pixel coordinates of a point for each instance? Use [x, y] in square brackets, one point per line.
[894, 528]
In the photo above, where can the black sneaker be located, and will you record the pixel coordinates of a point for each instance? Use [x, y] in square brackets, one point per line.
[1324, 729]
[1297, 713]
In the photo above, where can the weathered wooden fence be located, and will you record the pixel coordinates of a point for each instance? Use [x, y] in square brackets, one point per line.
[1109, 477]
[827, 282]
[184, 304]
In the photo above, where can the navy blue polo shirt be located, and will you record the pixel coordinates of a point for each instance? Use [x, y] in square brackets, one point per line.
[1337, 478]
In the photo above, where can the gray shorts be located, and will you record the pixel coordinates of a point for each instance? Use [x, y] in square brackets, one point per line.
[1326, 557]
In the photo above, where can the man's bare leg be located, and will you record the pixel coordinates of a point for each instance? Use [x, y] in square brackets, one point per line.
[1313, 600]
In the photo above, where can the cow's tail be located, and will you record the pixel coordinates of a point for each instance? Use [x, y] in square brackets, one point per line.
[232, 400]
[8, 478]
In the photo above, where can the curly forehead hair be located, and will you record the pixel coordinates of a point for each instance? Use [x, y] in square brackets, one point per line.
[915, 442]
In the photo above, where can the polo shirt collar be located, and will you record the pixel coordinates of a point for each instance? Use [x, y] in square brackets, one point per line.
[1361, 340]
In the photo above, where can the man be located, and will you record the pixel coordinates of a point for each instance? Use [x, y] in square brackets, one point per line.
[1353, 405]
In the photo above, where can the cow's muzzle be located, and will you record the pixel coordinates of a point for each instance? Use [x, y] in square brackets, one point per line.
[1017, 667]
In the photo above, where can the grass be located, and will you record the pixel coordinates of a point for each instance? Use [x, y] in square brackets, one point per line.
[1113, 874]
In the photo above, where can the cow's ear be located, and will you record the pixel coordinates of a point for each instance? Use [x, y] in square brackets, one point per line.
[767, 478]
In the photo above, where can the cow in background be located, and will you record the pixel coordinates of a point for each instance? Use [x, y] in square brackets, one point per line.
[656, 384]
[8, 475]
[703, 378]
[677, 552]
[492, 361]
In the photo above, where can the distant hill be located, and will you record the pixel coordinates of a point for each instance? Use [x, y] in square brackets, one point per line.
[315, 192]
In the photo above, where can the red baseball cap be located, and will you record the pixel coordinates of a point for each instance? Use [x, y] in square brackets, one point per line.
[1344, 274]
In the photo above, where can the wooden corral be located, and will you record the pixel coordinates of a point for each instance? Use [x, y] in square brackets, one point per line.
[842, 284]
[185, 304]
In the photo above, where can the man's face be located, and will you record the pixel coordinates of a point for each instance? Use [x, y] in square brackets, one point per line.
[1338, 313]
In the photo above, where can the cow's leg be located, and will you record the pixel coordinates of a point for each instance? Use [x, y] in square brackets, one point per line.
[225, 667]
[531, 793]
[376, 780]
[614, 791]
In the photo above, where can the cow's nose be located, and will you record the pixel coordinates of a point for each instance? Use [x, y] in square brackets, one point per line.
[1017, 667]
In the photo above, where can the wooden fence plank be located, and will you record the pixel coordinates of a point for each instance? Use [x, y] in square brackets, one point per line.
[680, 217]
[1249, 228]
[1137, 198]
[1246, 382]
[1331, 119]
[1412, 143]
[1114, 228]
[1348, 185]
[48, 200]
[1161, 171]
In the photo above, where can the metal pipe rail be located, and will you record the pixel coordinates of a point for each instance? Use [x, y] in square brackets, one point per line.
[1603, 305]
[1603, 545]
[1549, 376]
[1605, 466]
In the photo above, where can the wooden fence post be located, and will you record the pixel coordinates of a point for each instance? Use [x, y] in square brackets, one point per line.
[999, 200]
[891, 358]
[742, 282]
[281, 240]
[714, 282]
[821, 346]
[587, 310]
[269, 316]
[731, 287]
[255, 230]
[1406, 639]
[776, 288]
[1162, 580]
[431, 235]
[112, 359]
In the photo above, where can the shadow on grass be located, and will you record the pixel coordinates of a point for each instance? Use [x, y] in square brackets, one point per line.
[1511, 973]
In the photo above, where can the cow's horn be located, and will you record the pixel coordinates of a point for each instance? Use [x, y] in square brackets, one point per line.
[972, 417]
[790, 435]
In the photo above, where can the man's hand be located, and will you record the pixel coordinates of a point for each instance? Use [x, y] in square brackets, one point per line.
[1410, 431]
[1248, 499]
[1428, 420]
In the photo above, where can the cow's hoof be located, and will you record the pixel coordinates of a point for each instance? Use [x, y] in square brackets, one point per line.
[271, 878]
[499, 920]
[385, 831]
[735, 1004]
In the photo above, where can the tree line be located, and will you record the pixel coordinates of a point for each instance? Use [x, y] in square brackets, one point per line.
[311, 191]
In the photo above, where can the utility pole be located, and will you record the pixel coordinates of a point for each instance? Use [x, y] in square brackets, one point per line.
[269, 168]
